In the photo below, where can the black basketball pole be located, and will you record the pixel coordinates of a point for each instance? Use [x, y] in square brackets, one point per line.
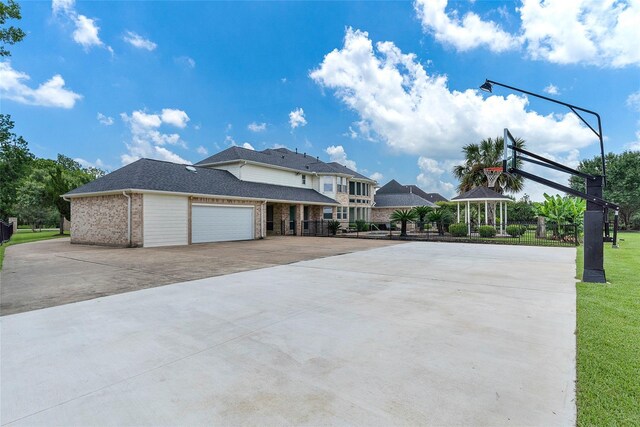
[594, 216]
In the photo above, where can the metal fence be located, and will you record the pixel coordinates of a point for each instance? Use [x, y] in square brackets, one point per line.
[6, 230]
[315, 228]
[517, 233]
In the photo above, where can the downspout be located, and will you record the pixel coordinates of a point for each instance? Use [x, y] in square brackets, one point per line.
[128, 216]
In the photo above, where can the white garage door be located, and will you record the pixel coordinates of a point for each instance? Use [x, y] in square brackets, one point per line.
[221, 223]
[165, 220]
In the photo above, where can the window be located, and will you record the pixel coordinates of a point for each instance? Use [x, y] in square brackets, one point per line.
[352, 188]
[366, 189]
[304, 179]
[342, 212]
[328, 187]
[358, 188]
[352, 200]
[327, 213]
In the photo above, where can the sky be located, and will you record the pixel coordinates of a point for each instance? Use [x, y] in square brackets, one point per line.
[388, 88]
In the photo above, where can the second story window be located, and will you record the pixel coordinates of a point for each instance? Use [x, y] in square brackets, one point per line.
[304, 179]
[352, 188]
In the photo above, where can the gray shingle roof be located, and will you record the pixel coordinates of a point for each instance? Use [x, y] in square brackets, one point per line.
[480, 193]
[279, 157]
[398, 200]
[394, 187]
[147, 174]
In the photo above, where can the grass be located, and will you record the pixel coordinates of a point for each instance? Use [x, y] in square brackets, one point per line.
[24, 236]
[608, 339]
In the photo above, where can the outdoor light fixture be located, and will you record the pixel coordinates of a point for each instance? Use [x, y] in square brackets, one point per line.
[486, 86]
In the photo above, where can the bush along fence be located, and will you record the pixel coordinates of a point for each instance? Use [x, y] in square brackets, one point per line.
[6, 231]
[539, 233]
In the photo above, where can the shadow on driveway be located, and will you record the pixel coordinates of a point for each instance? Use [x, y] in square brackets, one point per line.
[55, 272]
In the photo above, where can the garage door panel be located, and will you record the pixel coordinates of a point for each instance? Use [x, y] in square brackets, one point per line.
[165, 220]
[221, 223]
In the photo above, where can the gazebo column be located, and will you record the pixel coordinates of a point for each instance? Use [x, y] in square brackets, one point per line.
[479, 219]
[486, 214]
[469, 217]
[501, 220]
[505, 215]
[458, 205]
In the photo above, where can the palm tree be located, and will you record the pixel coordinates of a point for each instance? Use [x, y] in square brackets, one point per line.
[440, 217]
[403, 216]
[422, 212]
[486, 154]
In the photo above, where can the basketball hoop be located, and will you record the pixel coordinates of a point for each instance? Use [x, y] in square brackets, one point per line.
[492, 174]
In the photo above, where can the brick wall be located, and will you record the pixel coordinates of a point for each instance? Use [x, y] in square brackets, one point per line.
[102, 220]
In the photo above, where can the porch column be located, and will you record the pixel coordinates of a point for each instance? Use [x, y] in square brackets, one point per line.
[299, 219]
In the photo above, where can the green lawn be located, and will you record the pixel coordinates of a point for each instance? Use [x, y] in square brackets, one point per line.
[23, 236]
[608, 337]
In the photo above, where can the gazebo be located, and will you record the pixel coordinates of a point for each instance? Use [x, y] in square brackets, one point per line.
[480, 195]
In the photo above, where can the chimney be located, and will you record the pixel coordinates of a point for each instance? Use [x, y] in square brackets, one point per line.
[305, 154]
[296, 150]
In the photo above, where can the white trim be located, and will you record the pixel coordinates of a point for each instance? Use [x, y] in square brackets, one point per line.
[253, 162]
[489, 199]
[209, 196]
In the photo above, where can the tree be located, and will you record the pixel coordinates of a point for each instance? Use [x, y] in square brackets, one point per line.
[522, 210]
[64, 176]
[403, 216]
[623, 181]
[11, 35]
[479, 156]
[441, 217]
[561, 211]
[422, 212]
[15, 160]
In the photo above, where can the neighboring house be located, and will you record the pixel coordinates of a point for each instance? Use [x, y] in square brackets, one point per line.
[393, 196]
[237, 194]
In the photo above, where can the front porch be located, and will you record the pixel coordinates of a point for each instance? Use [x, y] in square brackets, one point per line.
[290, 219]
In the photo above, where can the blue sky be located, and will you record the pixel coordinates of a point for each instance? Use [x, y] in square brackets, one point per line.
[389, 88]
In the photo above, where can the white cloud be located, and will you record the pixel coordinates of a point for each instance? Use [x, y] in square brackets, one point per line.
[98, 164]
[337, 154]
[551, 89]
[86, 31]
[376, 176]
[63, 6]
[177, 118]
[603, 33]
[416, 113]
[633, 101]
[257, 127]
[247, 146]
[136, 40]
[430, 177]
[296, 118]
[104, 120]
[202, 150]
[51, 93]
[351, 133]
[464, 34]
[147, 141]
[185, 61]
[636, 144]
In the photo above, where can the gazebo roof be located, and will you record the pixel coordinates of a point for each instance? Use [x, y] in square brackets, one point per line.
[480, 194]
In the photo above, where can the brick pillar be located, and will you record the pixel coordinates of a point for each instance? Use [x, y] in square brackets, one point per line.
[14, 221]
[299, 219]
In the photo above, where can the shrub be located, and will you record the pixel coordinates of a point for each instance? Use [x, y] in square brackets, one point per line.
[361, 225]
[458, 230]
[333, 226]
[487, 231]
[516, 230]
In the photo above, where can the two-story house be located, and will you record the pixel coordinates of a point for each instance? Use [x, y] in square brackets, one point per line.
[236, 194]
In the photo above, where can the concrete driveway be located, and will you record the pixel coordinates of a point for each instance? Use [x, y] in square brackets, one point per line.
[416, 333]
[45, 274]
